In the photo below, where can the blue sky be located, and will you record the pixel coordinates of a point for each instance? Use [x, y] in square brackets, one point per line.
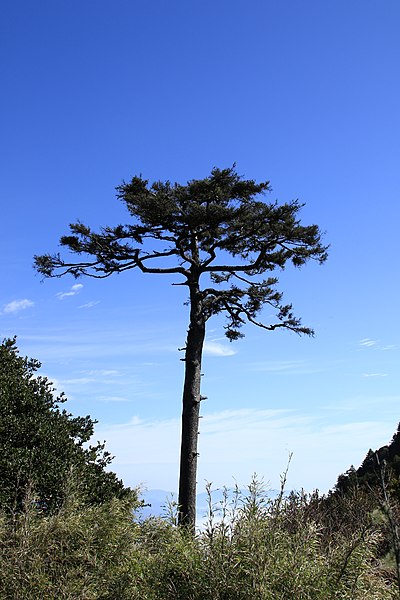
[304, 94]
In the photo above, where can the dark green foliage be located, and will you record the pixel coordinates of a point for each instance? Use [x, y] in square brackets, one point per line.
[41, 446]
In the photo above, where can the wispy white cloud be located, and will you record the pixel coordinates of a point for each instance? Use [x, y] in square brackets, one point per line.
[374, 374]
[90, 304]
[75, 289]
[213, 348]
[103, 372]
[373, 404]
[17, 305]
[367, 343]
[111, 399]
[78, 381]
[108, 341]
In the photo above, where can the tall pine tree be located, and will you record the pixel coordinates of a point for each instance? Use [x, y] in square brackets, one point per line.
[225, 243]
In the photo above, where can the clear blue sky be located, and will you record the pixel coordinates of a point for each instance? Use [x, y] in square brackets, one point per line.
[304, 94]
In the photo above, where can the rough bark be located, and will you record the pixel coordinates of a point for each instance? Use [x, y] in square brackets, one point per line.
[191, 411]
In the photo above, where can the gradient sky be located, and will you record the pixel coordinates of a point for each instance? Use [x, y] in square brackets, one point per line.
[304, 94]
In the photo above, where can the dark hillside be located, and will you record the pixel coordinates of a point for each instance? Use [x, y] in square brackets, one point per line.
[384, 462]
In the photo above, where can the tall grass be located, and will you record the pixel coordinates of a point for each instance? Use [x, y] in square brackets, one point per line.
[251, 548]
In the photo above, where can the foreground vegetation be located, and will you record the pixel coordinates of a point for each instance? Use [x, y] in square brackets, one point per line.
[251, 548]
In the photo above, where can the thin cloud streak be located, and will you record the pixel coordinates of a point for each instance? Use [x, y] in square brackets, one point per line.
[375, 403]
[375, 374]
[213, 348]
[103, 373]
[367, 343]
[83, 344]
[375, 345]
[111, 399]
[75, 289]
[285, 367]
[90, 304]
[78, 381]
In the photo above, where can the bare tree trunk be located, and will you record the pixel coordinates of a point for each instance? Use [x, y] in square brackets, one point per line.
[191, 411]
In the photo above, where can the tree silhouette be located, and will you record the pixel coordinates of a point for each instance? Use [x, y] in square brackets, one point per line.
[220, 238]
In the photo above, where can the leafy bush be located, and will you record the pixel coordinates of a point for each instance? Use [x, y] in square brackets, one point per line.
[41, 444]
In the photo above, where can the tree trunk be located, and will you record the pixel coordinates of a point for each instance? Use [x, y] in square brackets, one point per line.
[190, 411]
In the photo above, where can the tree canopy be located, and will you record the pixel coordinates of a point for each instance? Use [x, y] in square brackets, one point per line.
[43, 447]
[218, 226]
